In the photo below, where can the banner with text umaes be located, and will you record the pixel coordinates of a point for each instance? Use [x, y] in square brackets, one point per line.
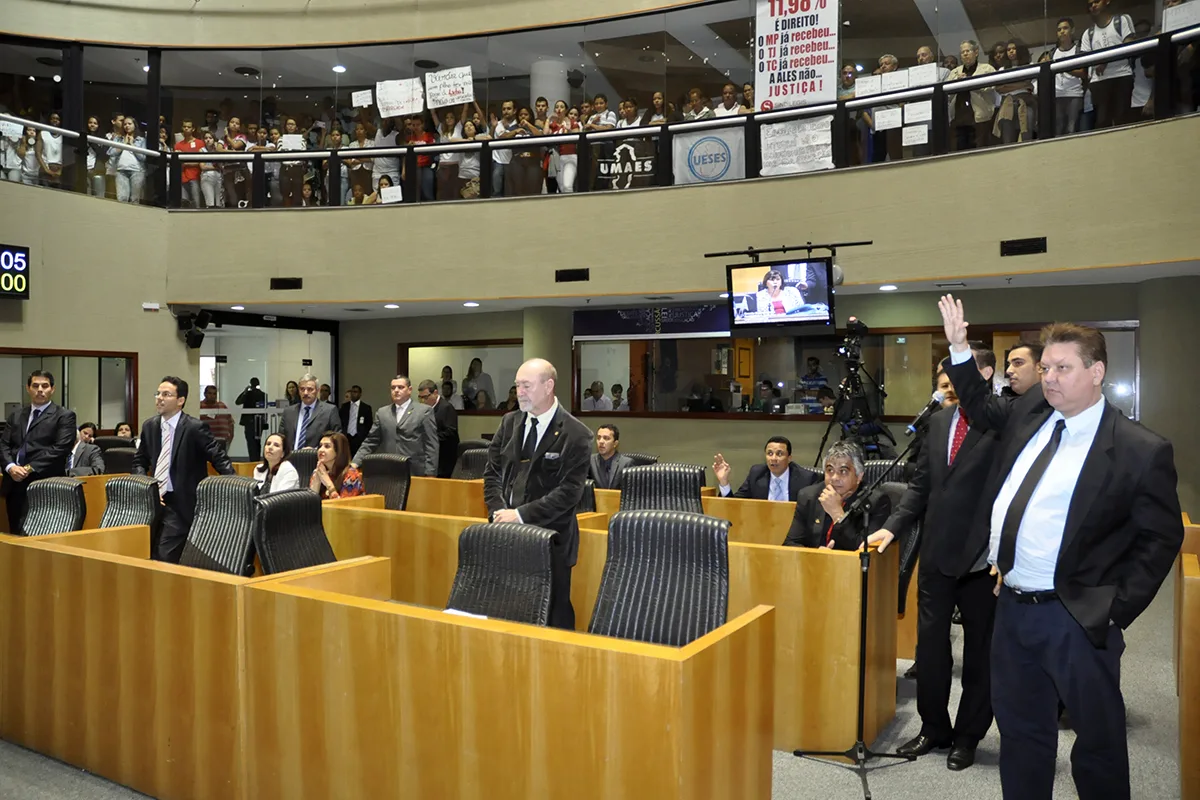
[795, 46]
[709, 156]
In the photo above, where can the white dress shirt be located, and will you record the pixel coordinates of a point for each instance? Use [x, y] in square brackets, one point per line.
[285, 478]
[543, 423]
[401, 409]
[592, 404]
[168, 432]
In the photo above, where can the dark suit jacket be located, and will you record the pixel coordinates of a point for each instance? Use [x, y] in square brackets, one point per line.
[193, 449]
[1123, 527]
[810, 521]
[413, 436]
[88, 461]
[324, 417]
[51, 438]
[947, 496]
[611, 479]
[556, 475]
[446, 417]
[757, 485]
[366, 418]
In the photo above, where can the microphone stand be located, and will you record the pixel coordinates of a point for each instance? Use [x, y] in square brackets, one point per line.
[859, 753]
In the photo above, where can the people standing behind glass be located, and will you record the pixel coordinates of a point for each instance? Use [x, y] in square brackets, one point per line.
[886, 144]
[291, 173]
[505, 128]
[50, 153]
[384, 135]
[26, 156]
[595, 399]
[360, 168]
[1068, 86]
[97, 156]
[334, 477]
[728, 106]
[275, 473]
[972, 112]
[189, 171]
[619, 403]
[1141, 102]
[449, 129]
[265, 141]
[509, 404]
[858, 131]
[129, 168]
[525, 177]
[448, 377]
[417, 135]
[630, 117]
[468, 162]
[211, 186]
[662, 112]
[478, 381]
[236, 173]
[451, 396]
[1015, 121]
[376, 197]
[748, 98]
[336, 143]
[697, 107]
[560, 123]
[292, 393]
[1111, 84]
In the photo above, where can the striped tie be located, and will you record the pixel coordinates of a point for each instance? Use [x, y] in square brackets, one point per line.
[303, 429]
[162, 470]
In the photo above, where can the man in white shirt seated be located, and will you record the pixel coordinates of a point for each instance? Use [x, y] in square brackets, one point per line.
[729, 105]
[595, 399]
[777, 479]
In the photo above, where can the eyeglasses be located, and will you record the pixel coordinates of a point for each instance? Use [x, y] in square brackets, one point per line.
[164, 395]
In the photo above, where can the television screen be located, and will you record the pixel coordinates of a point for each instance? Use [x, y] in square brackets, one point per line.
[781, 294]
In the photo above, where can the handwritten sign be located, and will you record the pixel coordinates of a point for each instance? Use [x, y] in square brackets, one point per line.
[894, 81]
[914, 135]
[399, 98]
[799, 145]
[13, 130]
[449, 87]
[920, 111]
[888, 118]
[361, 99]
[1183, 15]
[391, 194]
[795, 53]
[292, 141]
[867, 85]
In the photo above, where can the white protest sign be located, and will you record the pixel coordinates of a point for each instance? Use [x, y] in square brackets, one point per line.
[709, 156]
[867, 85]
[1183, 15]
[361, 99]
[449, 87]
[915, 134]
[399, 98]
[292, 141]
[922, 75]
[894, 81]
[795, 53]
[920, 111]
[391, 194]
[13, 130]
[888, 118]
[799, 145]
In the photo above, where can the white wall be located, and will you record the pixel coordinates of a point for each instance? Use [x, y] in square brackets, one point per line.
[603, 361]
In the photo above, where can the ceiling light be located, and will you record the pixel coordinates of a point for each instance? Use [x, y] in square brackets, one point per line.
[338, 68]
[237, 308]
[858, 67]
[58, 78]
[32, 78]
[723, 295]
[391, 306]
[888, 287]
[146, 68]
[471, 304]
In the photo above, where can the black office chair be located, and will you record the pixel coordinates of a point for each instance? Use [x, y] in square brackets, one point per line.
[389, 475]
[666, 577]
[106, 443]
[662, 487]
[469, 444]
[221, 536]
[471, 465]
[587, 500]
[907, 542]
[305, 462]
[878, 468]
[504, 572]
[288, 532]
[703, 471]
[641, 459]
[54, 505]
[119, 460]
[130, 500]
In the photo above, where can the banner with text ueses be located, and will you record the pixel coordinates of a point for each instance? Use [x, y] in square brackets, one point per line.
[709, 156]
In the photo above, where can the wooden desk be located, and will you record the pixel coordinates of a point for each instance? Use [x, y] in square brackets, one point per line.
[1191, 545]
[124, 667]
[1188, 621]
[351, 696]
[447, 496]
[243, 468]
[816, 594]
[93, 496]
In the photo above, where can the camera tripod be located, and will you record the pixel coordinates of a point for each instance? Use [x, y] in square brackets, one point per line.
[851, 391]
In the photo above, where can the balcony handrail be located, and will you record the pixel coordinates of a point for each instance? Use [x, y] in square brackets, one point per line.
[41, 126]
[132, 148]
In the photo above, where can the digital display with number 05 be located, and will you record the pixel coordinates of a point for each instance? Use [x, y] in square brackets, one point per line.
[14, 271]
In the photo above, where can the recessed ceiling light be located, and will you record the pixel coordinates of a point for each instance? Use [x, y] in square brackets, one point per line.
[58, 78]
[723, 295]
[338, 68]
[858, 67]
[392, 306]
[237, 308]
[471, 304]
[888, 287]
[146, 68]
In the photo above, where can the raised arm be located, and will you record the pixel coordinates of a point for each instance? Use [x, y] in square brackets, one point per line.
[974, 392]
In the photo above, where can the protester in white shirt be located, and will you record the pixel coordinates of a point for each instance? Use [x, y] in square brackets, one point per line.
[1111, 84]
[51, 155]
[1068, 86]
[729, 105]
[507, 127]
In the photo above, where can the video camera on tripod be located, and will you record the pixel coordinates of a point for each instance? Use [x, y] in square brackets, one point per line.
[852, 410]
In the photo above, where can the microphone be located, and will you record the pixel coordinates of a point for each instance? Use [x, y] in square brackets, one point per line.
[934, 405]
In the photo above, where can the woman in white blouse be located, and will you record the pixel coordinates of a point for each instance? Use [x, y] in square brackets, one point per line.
[276, 473]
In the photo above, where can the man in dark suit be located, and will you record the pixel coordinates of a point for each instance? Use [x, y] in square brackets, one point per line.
[446, 418]
[176, 449]
[404, 428]
[1084, 524]
[252, 397]
[35, 444]
[777, 479]
[821, 519]
[356, 417]
[85, 457]
[951, 471]
[304, 422]
[537, 463]
[607, 464]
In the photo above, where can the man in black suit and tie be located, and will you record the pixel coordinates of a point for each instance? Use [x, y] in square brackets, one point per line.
[176, 450]
[607, 464]
[304, 422]
[777, 479]
[446, 418]
[35, 444]
[821, 520]
[356, 417]
[537, 463]
[951, 471]
[1084, 525]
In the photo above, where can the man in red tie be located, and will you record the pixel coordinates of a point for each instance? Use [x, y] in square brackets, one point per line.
[951, 471]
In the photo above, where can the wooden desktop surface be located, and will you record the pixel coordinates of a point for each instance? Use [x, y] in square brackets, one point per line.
[351, 696]
[447, 496]
[1187, 622]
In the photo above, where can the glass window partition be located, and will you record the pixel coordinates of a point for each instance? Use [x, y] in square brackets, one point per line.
[96, 386]
[482, 374]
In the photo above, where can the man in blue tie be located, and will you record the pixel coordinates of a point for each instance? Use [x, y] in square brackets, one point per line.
[776, 479]
[35, 444]
[304, 424]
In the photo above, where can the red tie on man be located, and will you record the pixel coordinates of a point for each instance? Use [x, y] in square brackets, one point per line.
[961, 426]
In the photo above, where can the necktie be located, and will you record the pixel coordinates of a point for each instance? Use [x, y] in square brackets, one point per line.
[777, 489]
[961, 427]
[303, 428]
[162, 470]
[530, 445]
[522, 475]
[37, 412]
[352, 421]
[71, 458]
[1007, 556]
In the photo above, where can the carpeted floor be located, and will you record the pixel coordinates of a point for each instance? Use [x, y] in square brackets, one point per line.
[1147, 679]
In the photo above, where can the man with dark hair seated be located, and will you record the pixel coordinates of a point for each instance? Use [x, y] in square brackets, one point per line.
[607, 464]
[821, 520]
[777, 479]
